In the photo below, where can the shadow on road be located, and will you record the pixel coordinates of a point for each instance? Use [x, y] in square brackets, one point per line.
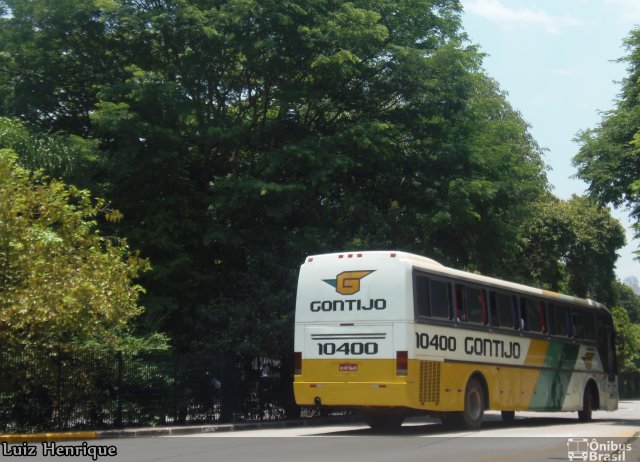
[434, 427]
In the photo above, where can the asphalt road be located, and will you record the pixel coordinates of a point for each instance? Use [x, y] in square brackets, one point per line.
[532, 437]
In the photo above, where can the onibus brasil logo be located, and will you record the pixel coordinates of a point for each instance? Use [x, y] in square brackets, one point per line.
[348, 282]
[593, 450]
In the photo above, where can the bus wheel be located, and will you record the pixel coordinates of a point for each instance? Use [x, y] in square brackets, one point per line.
[381, 421]
[587, 405]
[473, 405]
[508, 416]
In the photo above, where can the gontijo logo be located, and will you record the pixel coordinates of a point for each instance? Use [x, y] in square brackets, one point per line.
[348, 282]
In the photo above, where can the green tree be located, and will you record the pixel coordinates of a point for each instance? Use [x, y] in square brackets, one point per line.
[62, 284]
[627, 340]
[68, 157]
[53, 59]
[629, 300]
[239, 136]
[570, 246]
[609, 156]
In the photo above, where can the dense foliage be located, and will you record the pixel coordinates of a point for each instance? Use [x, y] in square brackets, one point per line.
[609, 161]
[238, 136]
[61, 282]
[609, 157]
[570, 247]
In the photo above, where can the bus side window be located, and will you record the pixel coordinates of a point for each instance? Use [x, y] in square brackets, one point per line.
[543, 318]
[473, 302]
[514, 312]
[567, 321]
[589, 326]
[530, 315]
[501, 310]
[432, 298]
[579, 324]
[584, 324]
[440, 303]
[485, 311]
[524, 324]
[421, 287]
[461, 315]
[558, 320]
[493, 309]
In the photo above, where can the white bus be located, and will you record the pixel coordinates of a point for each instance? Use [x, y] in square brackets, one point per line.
[391, 333]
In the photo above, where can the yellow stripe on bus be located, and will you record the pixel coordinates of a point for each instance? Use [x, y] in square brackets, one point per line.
[537, 353]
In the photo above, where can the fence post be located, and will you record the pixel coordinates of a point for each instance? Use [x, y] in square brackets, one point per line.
[176, 415]
[119, 366]
[228, 392]
[57, 414]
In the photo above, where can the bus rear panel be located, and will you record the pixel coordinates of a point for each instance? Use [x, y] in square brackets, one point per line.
[352, 329]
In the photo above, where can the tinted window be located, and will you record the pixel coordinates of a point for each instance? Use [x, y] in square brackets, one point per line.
[589, 326]
[531, 315]
[439, 299]
[558, 320]
[461, 312]
[502, 310]
[583, 325]
[473, 299]
[432, 298]
[421, 288]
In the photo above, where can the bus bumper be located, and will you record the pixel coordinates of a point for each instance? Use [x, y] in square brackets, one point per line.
[351, 394]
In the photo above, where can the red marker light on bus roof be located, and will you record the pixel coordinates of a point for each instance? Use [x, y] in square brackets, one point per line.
[393, 254]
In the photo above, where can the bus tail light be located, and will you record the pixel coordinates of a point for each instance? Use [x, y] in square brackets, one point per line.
[402, 362]
[297, 363]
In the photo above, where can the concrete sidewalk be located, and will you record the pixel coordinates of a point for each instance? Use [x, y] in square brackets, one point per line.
[175, 430]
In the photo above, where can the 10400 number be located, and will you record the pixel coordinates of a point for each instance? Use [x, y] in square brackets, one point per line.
[436, 342]
[347, 348]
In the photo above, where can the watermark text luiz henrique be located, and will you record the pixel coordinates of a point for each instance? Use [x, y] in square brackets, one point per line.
[53, 449]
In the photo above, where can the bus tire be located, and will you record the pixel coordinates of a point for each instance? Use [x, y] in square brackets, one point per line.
[508, 416]
[587, 405]
[473, 405]
[382, 421]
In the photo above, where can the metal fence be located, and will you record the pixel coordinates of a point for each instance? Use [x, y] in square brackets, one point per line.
[105, 389]
[629, 386]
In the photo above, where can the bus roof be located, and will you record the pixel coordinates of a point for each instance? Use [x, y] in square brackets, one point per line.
[432, 266]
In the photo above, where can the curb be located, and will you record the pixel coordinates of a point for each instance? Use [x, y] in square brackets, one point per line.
[54, 436]
[173, 431]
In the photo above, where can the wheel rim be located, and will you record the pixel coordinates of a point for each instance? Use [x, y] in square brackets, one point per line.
[475, 404]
